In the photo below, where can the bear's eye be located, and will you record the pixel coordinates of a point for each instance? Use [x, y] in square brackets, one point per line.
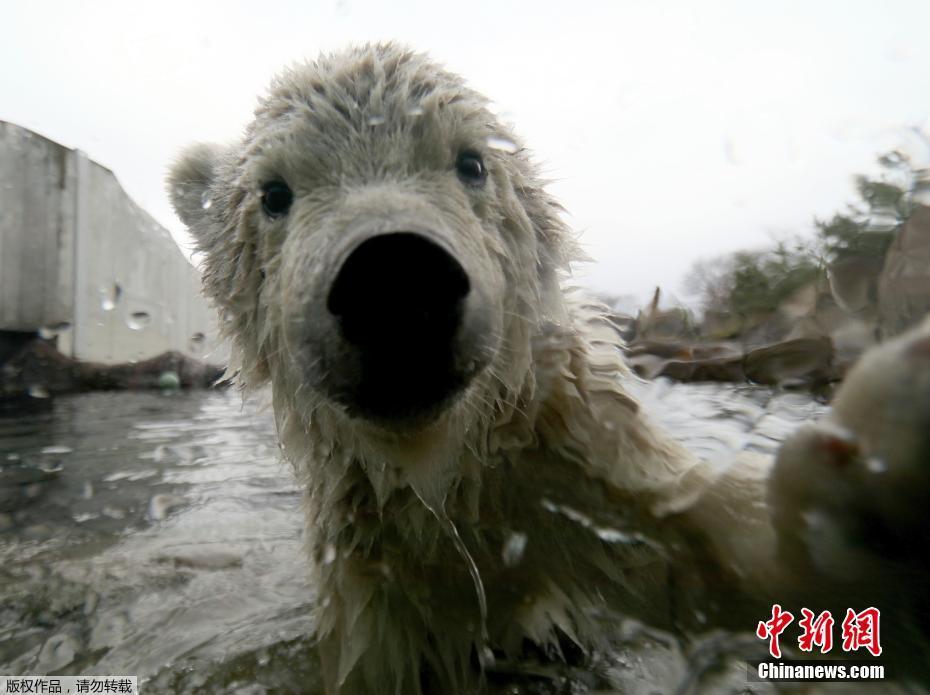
[276, 198]
[470, 168]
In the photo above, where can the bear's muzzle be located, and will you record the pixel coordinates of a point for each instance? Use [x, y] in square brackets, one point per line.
[407, 328]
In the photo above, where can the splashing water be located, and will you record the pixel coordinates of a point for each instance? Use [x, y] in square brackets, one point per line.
[514, 548]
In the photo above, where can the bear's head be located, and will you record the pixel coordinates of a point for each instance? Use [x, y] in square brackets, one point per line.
[378, 244]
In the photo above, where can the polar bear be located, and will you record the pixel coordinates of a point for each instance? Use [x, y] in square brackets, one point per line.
[383, 251]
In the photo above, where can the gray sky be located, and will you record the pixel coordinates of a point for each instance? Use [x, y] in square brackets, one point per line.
[673, 130]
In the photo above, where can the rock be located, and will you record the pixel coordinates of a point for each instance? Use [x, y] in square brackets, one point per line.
[728, 369]
[701, 362]
[854, 284]
[810, 359]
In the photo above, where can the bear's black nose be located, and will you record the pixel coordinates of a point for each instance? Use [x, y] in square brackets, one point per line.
[399, 301]
[398, 283]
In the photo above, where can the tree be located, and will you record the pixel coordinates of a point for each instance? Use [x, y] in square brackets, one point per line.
[748, 283]
[867, 229]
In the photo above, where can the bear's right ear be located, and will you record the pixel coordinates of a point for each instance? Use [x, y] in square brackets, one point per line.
[189, 182]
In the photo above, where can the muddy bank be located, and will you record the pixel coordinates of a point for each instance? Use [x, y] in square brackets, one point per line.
[801, 362]
[36, 370]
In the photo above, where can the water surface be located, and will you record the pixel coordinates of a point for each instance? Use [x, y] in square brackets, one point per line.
[159, 535]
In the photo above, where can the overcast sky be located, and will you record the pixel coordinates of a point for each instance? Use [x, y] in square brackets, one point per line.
[673, 130]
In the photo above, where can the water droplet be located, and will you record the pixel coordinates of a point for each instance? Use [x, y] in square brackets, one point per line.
[206, 200]
[876, 465]
[48, 332]
[196, 342]
[376, 120]
[612, 535]
[56, 449]
[486, 657]
[329, 554]
[139, 320]
[37, 391]
[502, 144]
[514, 546]
[415, 111]
[110, 296]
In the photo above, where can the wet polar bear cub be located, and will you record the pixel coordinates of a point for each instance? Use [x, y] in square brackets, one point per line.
[385, 254]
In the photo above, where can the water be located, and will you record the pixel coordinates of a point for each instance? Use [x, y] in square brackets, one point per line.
[160, 536]
[153, 535]
[485, 654]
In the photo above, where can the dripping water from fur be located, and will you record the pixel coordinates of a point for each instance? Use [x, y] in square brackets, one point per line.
[485, 655]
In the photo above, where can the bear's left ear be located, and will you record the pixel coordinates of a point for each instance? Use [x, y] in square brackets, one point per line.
[189, 182]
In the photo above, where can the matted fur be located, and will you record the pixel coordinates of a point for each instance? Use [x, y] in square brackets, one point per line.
[544, 444]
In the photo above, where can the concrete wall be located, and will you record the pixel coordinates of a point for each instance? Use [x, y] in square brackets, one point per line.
[74, 249]
[36, 230]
